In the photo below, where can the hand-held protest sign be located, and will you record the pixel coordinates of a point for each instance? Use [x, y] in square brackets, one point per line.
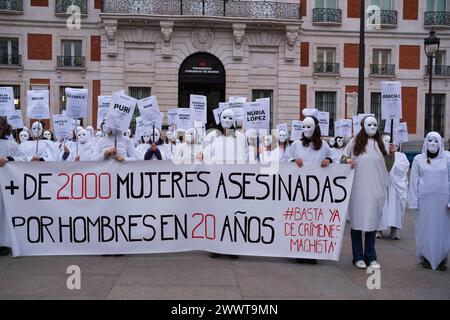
[401, 132]
[102, 111]
[76, 103]
[15, 119]
[93, 208]
[37, 104]
[216, 113]
[257, 115]
[198, 107]
[149, 110]
[184, 119]
[391, 102]
[296, 130]
[237, 105]
[120, 112]
[343, 128]
[172, 117]
[324, 122]
[62, 126]
[6, 101]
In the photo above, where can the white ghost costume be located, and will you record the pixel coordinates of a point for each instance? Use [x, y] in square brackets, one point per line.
[43, 149]
[125, 147]
[397, 193]
[85, 147]
[226, 149]
[429, 194]
[188, 152]
[307, 154]
[369, 186]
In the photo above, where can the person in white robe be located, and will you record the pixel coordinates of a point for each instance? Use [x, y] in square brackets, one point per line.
[24, 135]
[143, 147]
[8, 149]
[429, 195]
[190, 151]
[283, 146]
[39, 149]
[171, 144]
[367, 154]
[395, 206]
[158, 149]
[251, 137]
[226, 145]
[113, 145]
[269, 151]
[84, 151]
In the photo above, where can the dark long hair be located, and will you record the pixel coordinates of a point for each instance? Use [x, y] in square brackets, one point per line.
[316, 137]
[362, 138]
[5, 128]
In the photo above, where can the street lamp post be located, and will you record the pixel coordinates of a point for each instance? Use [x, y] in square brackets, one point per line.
[361, 57]
[431, 46]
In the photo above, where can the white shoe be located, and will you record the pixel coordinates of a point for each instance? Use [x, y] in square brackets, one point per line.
[360, 264]
[375, 265]
[379, 235]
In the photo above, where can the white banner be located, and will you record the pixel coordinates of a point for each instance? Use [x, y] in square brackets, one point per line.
[62, 126]
[76, 103]
[296, 130]
[111, 208]
[15, 119]
[120, 112]
[37, 104]
[324, 122]
[184, 119]
[6, 101]
[391, 100]
[198, 105]
[257, 115]
[102, 111]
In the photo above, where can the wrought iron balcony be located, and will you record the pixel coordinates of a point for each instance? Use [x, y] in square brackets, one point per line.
[330, 16]
[11, 6]
[437, 18]
[71, 62]
[439, 70]
[61, 6]
[321, 67]
[11, 60]
[388, 17]
[214, 8]
[382, 69]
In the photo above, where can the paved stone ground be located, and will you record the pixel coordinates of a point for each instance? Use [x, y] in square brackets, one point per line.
[196, 276]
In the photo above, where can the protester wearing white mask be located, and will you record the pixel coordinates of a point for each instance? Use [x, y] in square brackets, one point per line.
[189, 152]
[226, 145]
[283, 146]
[338, 149]
[429, 194]
[331, 142]
[250, 135]
[8, 148]
[114, 145]
[171, 144]
[90, 131]
[270, 152]
[395, 205]
[84, 149]
[367, 154]
[157, 150]
[38, 149]
[310, 148]
[48, 135]
[24, 135]
[143, 147]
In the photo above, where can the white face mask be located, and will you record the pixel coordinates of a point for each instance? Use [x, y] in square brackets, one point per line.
[169, 135]
[37, 129]
[24, 136]
[432, 145]
[156, 134]
[340, 142]
[190, 136]
[396, 146]
[90, 130]
[308, 126]
[282, 136]
[83, 136]
[387, 142]
[146, 138]
[99, 135]
[267, 140]
[128, 134]
[371, 126]
[227, 118]
[48, 135]
[332, 141]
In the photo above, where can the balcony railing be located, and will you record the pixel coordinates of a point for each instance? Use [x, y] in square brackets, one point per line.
[61, 6]
[388, 17]
[71, 62]
[382, 69]
[322, 15]
[11, 6]
[438, 70]
[321, 67]
[11, 60]
[437, 18]
[214, 8]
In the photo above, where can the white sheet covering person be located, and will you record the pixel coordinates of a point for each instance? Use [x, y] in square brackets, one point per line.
[85, 147]
[190, 151]
[429, 194]
[395, 205]
[39, 149]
